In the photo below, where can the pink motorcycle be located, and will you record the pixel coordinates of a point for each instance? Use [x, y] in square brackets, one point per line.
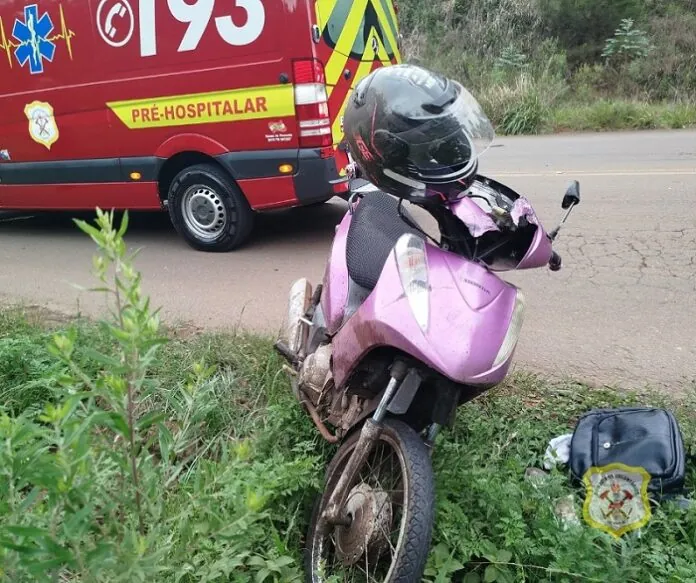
[403, 330]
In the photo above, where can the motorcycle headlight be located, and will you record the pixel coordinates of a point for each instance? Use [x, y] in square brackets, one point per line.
[514, 330]
[411, 261]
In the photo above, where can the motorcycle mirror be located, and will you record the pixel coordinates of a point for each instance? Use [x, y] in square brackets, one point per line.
[572, 195]
[571, 198]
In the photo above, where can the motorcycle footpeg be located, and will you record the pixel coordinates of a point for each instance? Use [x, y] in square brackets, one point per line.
[284, 350]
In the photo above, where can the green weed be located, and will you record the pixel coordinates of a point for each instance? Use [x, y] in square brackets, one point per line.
[126, 457]
[239, 505]
[623, 115]
[501, 527]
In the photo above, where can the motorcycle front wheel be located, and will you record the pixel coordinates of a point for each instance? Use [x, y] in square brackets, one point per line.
[390, 504]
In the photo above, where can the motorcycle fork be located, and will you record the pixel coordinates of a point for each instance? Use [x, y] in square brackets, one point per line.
[369, 434]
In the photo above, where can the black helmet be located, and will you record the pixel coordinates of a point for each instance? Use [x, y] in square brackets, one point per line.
[412, 132]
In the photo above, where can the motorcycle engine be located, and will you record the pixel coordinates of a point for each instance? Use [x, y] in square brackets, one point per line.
[316, 372]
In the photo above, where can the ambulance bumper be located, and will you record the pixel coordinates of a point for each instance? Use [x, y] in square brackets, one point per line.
[315, 178]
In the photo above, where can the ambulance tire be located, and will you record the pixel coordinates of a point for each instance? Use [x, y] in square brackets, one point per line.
[208, 210]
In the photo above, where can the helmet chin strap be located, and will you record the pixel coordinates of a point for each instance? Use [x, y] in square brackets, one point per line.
[421, 188]
[405, 180]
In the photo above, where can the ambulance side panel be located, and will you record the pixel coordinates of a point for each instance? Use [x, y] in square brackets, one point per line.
[97, 97]
[51, 108]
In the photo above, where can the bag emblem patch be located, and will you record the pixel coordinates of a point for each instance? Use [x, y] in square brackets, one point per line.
[616, 501]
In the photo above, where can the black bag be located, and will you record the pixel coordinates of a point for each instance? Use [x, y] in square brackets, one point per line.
[640, 437]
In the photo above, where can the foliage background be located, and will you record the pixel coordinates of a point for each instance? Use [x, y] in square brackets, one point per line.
[553, 65]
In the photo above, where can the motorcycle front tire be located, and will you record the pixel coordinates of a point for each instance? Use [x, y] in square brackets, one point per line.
[411, 551]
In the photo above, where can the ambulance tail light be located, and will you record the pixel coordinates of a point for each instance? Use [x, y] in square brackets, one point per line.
[312, 104]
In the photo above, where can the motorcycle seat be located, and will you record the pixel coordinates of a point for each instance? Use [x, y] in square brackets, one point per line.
[374, 230]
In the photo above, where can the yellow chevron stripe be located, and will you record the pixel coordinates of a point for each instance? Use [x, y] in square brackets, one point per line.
[336, 127]
[387, 27]
[363, 71]
[381, 49]
[345, 43]
[323, 10]
[394, 17]
[339, 59]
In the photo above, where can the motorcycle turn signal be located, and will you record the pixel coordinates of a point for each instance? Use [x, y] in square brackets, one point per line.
[555, 262]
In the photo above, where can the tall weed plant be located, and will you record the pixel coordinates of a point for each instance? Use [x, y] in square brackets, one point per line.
[114, 477]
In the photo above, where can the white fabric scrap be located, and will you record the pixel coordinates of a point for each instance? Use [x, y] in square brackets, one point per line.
[558, 451]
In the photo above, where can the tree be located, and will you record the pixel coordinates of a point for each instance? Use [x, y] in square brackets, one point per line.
[583, 26]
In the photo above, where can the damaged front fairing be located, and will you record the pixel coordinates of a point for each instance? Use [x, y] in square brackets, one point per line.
[478, 208]
[479, 220]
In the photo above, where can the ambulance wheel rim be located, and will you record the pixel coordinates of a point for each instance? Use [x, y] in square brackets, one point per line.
[203, 212]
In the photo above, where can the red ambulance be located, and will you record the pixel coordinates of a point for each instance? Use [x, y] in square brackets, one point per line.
[212, 109]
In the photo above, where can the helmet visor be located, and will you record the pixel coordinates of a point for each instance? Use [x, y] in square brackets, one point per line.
[448, 145]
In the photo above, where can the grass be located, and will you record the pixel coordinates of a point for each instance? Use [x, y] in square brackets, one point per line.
[236, 485]
[622, 115]
[239, 511]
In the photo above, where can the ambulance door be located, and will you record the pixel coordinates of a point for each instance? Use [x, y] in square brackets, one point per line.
[358, 36]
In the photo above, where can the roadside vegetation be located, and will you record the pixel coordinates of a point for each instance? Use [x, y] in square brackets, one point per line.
[130, 452]
[556, 65]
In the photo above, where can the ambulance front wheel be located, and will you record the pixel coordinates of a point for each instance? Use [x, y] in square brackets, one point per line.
[208, 210]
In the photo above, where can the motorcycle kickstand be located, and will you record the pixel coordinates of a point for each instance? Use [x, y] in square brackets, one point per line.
[369, 434]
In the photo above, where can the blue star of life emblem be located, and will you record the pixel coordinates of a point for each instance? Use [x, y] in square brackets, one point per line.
[32, 34]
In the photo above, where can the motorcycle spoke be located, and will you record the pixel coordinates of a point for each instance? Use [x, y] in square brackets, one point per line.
[381, 472]
[386, 510]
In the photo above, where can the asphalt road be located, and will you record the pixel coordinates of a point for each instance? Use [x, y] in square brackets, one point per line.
[621, 312]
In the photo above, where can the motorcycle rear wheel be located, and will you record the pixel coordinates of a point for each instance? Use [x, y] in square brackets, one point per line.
[392, 515]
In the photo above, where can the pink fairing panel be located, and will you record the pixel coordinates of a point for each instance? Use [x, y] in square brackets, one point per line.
[470, 312]
[335, 293]
[541, 249]
[539, 253]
